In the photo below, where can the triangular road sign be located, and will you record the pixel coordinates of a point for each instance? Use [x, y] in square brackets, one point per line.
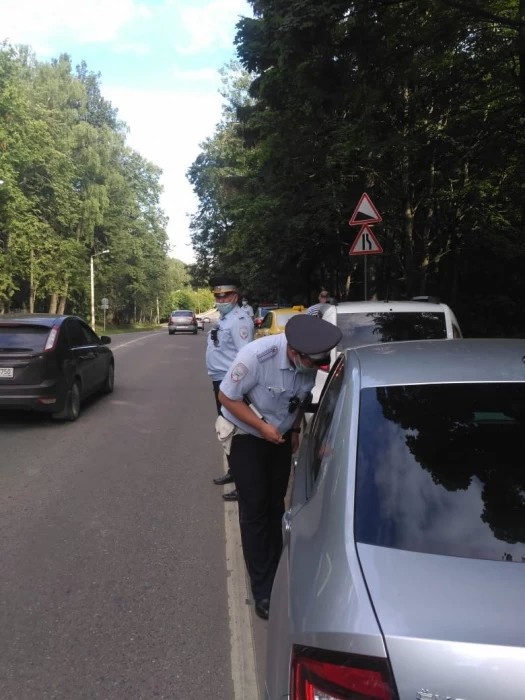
[365, 212]
[366, 243]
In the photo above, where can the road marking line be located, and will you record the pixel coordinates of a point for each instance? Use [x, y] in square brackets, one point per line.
[241, 632]
[135, 340]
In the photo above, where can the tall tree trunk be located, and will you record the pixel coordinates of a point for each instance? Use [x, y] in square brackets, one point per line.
[32, 289]
[53, 301]
[62, 299]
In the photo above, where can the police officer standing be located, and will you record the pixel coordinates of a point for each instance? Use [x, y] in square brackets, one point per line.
[234, 330]
[262, 396]
[247, 307]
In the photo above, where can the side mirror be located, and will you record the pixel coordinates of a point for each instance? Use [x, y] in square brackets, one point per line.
[105, 340]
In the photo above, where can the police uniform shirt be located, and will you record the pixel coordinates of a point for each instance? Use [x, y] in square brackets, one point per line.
[262, 371]
[233, 332]
[248, 309]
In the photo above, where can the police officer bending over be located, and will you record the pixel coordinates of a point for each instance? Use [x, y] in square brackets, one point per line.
[274, 374]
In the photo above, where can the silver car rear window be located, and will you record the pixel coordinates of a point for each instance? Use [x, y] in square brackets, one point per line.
[383, 327]
[440, 470]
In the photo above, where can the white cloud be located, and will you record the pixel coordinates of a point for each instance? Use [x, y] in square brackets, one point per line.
[41, 23]
[211, 25]
[167, 129]
[137, 49]
[166, 126]
[202, 75]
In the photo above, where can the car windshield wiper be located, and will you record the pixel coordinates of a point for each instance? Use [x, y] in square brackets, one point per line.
[16, 349]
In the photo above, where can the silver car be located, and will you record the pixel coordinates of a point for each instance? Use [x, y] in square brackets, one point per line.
[402, 575]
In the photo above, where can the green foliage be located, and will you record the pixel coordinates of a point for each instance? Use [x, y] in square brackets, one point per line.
[71, 188]
[197, 300]
[420, 103]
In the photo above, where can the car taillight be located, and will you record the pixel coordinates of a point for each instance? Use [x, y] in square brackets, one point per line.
[317, 674]
[51, 339]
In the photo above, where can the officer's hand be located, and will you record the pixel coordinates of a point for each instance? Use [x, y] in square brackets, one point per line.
[270, 433]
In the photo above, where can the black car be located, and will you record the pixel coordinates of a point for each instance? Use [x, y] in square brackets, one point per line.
[51, 363]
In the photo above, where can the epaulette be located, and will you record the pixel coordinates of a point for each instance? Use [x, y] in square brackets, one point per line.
[268, 353]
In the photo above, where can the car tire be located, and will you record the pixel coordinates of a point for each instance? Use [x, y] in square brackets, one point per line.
[71, 409]
[171, 332]
[109, 381]
[194, 332]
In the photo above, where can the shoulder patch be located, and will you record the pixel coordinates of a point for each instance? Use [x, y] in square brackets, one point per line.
[243, 332]
[239, 372]
[268, 353]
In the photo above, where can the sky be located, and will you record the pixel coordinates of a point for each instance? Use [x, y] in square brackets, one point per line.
[159, 63]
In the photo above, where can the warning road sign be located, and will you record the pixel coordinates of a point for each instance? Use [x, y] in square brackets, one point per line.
[366, 243]
[365, 212]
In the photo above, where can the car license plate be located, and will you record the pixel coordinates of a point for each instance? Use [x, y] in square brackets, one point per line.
[6, 372]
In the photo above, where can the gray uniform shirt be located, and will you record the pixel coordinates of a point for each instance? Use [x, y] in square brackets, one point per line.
[263, 372]
[233, 332]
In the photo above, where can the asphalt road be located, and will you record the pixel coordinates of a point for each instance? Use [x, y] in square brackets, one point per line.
[122, 577]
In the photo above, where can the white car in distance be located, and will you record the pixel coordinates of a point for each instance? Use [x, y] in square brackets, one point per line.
[370, 322]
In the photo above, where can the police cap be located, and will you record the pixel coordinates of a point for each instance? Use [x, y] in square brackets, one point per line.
[222, 284]
[311, 335]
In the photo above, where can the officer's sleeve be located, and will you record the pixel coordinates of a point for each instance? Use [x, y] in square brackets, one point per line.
[241, 376]
[242, 334]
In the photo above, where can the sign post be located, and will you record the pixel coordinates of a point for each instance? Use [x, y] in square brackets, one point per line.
[104, 304]
[365, 243]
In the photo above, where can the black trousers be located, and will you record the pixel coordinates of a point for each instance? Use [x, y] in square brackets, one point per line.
[216, 386]
[261, 471]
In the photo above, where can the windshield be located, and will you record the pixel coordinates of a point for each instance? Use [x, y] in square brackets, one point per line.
[440, 469]
[383, 327]
[284, 317]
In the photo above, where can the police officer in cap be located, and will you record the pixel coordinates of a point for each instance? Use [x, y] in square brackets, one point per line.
[262, 396]
[234, 330]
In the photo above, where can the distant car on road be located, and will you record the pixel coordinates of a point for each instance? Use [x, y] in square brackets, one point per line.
[202, 321]
[182, 321]
[51, 363]
[402, 575]
[276, 319]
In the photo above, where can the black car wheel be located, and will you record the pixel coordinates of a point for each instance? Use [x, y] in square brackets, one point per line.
[109, 382]
[71, 409]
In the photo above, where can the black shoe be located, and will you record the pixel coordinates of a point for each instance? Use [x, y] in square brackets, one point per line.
[232, 496]
[262, 608]
[224, 479]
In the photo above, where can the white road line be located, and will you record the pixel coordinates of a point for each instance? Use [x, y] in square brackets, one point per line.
[135, 340]
[245, 686]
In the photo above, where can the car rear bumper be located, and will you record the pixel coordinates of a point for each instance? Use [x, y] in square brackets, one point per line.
[188, 329]
[46, 397]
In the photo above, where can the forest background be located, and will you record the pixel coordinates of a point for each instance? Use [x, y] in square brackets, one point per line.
[419, 103]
